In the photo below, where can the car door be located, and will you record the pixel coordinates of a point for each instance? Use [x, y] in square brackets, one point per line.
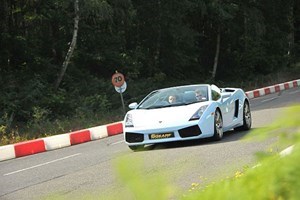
[226, 105]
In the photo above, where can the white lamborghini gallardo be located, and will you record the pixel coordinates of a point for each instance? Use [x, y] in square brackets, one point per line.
[185, 113]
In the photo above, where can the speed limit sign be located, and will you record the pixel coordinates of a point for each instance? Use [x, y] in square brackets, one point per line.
[117, 79]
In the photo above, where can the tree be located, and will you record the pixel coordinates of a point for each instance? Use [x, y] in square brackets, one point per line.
[72, 46]
[217, 54]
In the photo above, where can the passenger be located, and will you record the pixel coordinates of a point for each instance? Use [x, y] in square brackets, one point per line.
[172, 99]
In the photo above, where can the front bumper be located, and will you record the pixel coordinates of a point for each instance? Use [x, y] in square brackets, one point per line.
[169, 134]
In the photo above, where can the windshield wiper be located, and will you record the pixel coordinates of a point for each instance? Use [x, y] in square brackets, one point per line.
[162, 106]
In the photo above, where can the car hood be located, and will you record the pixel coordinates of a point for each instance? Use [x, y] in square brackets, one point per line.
[163, 117]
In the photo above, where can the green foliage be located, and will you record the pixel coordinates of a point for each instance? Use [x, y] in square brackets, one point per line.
[275, 178]
[154, 44]
[156, 187]
[7, 135]
[287, 129]
[93, 104]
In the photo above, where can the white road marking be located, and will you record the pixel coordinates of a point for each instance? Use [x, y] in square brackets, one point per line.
[270, 99]
[283, 153]
[46, 163]
[117, 142]
[287, 151]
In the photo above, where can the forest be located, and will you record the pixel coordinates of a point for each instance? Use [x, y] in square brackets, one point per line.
[57, 57]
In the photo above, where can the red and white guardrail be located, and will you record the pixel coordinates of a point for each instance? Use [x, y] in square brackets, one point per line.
[272, 89]
[98, 132]
[59, 141]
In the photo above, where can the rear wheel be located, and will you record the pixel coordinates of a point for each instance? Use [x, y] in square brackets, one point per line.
[218, 126]
[247, 119]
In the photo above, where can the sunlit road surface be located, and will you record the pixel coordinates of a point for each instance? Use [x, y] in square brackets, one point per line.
[89, 168]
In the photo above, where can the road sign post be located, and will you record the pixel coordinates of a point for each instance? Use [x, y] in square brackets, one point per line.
[118, 81]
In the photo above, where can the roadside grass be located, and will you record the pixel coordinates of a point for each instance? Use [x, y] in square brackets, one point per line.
[38, 128]
[275, 178]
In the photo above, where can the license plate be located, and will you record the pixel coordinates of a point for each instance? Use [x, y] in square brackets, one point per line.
[156, 136]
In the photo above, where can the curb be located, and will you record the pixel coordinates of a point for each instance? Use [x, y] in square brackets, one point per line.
[59, 141]
[272, 89]
[81, 136]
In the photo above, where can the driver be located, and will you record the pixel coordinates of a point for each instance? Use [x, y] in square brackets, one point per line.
[200, 95]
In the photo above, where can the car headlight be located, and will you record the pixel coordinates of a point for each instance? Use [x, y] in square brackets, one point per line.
[199, 113]
[128, 121]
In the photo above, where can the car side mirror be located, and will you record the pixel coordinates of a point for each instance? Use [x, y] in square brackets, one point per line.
[226, 95]
[133, 105]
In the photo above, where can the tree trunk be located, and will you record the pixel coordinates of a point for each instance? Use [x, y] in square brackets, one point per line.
[217, 54]
[71, 48]
[291, 36]
[157, 49]
[245, 31]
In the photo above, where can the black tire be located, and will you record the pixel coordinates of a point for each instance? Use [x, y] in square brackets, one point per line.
[247, 119]
[218, 126]
[136, 147]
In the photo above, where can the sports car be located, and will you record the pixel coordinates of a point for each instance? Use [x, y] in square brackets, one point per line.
[185, 113]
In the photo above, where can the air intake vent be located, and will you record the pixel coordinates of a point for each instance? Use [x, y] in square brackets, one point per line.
[191, 131]
[134, 137]
[236, 111]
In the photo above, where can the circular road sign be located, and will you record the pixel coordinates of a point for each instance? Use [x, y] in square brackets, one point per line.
[122, 88]
[117, 79]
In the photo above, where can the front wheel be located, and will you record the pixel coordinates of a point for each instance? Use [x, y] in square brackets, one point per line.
[247, 119]
[136, 147]
[218, 126]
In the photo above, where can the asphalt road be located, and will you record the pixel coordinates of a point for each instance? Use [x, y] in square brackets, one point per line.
[90, 168]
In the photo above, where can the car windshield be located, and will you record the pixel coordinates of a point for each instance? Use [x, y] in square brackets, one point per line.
[175, 96]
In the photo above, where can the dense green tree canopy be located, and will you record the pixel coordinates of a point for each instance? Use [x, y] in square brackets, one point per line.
[153, 43]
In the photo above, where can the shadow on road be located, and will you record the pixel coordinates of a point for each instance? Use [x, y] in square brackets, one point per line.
[227, 137]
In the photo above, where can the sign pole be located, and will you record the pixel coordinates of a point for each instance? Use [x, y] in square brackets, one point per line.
[118, 81]
[122, 100]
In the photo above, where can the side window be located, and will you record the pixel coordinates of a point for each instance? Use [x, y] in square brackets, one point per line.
[215, 93]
